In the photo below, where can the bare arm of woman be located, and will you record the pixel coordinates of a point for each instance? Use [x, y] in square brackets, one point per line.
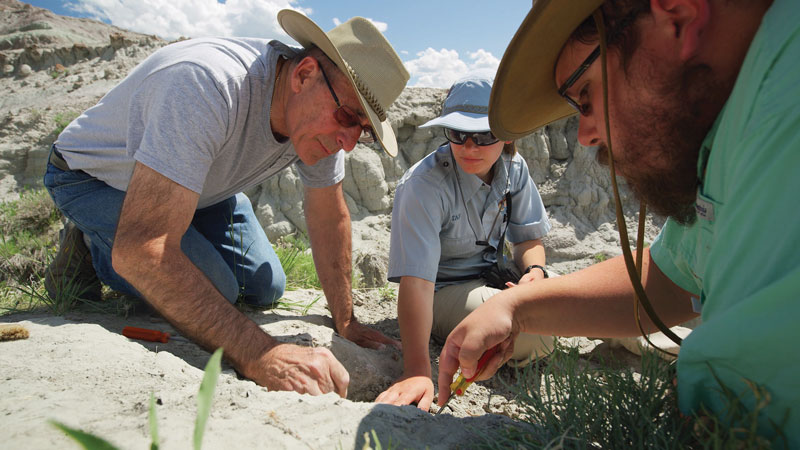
[528, 253]
[415, 315]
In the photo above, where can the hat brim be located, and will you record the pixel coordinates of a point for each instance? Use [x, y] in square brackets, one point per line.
[307, 33]
[461, 121]
[524, 97]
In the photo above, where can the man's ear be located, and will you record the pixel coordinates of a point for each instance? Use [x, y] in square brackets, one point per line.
[303, 73]
[687, 20]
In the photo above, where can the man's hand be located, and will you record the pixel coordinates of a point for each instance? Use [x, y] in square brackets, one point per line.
[307, 370]
[365, 336]
[408, 390]
[490, 324]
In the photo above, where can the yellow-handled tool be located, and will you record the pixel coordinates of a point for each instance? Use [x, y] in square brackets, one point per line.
[461, 384]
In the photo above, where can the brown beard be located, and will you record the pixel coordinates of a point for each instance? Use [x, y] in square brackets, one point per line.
[657, 148]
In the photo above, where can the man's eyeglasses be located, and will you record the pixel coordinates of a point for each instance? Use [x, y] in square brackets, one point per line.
[460, 137]
[346, 117]
[562, 91]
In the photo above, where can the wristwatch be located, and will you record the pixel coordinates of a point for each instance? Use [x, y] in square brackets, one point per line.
[536, 266]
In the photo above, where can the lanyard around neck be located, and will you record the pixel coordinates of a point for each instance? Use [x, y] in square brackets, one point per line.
[506, 201]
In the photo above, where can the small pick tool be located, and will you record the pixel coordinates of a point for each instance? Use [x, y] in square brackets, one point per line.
[145, 334]
[461, 384]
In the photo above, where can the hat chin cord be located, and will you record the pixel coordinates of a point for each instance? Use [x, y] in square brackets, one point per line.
[634, 269]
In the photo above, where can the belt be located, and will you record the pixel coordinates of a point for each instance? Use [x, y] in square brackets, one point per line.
[57, 161]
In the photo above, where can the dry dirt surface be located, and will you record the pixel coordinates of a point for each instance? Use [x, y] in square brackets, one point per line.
[81, 371]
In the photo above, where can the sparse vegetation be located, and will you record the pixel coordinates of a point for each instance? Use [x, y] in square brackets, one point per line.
[29, 228]
[28, 244]
[387, 292]
[301, 307]
[600, 257]
[577, 404]
[63, 119]
[295, 256]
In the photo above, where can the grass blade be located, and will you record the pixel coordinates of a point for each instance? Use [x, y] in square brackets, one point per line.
[153, 424]
[205, 396]
[86, 440]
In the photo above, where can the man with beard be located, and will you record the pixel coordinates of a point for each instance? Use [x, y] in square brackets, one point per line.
[702, 109]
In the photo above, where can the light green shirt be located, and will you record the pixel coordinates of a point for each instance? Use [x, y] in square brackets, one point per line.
[742, 255]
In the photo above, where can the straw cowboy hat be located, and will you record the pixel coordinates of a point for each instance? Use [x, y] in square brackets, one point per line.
[525, 96]
[365, 57]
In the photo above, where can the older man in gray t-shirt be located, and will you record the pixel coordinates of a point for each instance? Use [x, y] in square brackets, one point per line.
[151, 178]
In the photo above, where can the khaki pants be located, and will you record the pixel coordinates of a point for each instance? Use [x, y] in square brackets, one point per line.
[452, 304]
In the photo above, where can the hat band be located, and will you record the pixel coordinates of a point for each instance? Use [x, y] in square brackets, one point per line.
[466, 108]
[366, 93]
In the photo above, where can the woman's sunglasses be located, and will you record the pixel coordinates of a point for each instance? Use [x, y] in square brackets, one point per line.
[460, 137]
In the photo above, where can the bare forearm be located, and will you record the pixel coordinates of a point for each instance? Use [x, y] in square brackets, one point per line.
[415, 317]
[331, 243]
[180, 292]
[528, 253]
[596, 301]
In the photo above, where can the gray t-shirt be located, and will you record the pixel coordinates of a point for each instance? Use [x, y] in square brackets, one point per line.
[198, 113]
[434, 230]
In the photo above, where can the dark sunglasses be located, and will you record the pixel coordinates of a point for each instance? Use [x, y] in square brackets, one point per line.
[460, 137]
[346, 117]
[562, 91]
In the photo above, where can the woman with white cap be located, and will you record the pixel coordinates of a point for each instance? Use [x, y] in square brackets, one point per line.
[452, 211]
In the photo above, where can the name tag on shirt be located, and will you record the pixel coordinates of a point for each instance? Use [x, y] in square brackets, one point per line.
[704, 208]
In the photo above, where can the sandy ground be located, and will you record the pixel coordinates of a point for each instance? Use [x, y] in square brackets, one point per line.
[80, 370]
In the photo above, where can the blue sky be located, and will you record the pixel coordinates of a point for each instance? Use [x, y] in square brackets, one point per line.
[438, 40]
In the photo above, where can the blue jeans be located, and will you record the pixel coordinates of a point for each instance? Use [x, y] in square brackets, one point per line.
[225, 240]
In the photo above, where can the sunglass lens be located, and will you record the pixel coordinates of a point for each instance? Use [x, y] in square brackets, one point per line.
[485, 138]
[345, 117]
[460, 137]
[455, 136]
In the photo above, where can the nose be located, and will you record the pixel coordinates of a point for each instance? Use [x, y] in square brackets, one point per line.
[588, 134]
[470, 144]
[348, 137]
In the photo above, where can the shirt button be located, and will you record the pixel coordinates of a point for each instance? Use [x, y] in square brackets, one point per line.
[446, 164]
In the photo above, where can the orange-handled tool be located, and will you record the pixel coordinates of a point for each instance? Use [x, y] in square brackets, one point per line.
[461, 384]
[145, 334]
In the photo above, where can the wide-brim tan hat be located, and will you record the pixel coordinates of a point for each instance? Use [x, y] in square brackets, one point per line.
[525, 97]
[367, 59]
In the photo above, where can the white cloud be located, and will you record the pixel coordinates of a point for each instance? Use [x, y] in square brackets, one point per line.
[191, 18]
[483, 60]
[381, 26]
[440, 68]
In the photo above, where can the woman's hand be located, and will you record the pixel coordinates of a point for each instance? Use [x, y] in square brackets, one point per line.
[534, 275]
[408, 390]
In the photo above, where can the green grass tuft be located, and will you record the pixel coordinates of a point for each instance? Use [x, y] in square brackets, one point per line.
[64, 119]
[572, 404]
[288, 305]
[295, 257]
